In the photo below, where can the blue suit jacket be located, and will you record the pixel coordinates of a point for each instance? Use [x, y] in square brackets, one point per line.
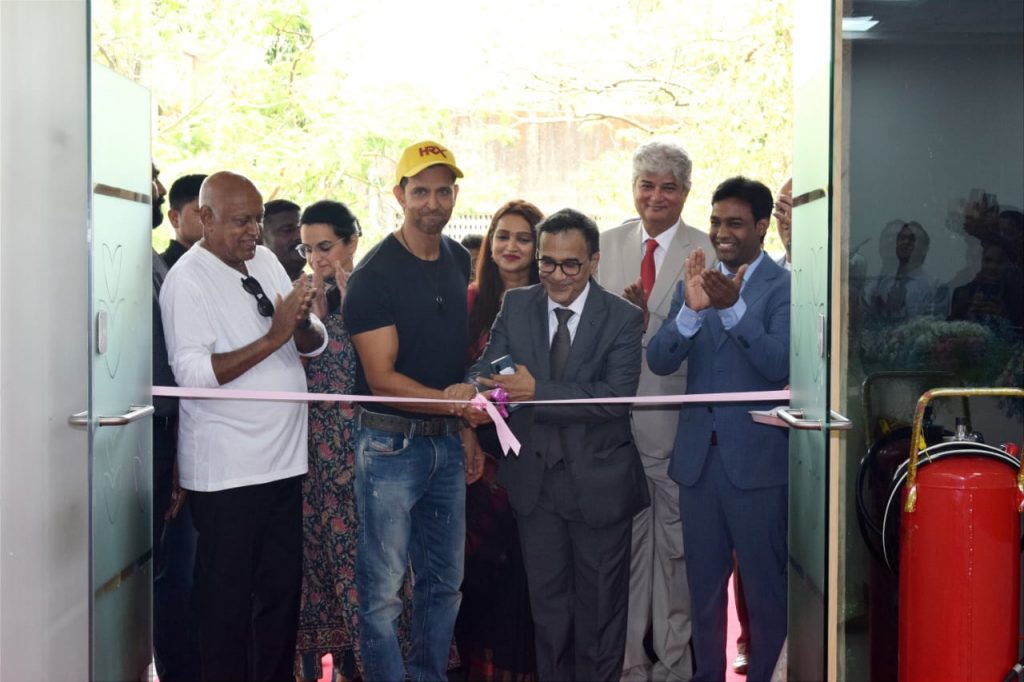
[752, 356]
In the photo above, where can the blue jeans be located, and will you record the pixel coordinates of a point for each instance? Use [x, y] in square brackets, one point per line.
[411, 497]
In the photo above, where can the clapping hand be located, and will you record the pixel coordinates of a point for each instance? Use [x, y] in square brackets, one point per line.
[634, 293]
[693, 271]
[291, 311]
[722, 291]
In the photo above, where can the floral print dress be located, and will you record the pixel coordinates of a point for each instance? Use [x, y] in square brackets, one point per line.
[328, 620]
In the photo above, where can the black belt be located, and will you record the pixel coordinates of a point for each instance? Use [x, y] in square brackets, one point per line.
[407, 426]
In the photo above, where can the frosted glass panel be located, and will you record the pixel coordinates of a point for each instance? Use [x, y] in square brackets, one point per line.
[120, 376]
[808, 451]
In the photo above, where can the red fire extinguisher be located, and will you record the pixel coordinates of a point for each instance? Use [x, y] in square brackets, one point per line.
[960, 551]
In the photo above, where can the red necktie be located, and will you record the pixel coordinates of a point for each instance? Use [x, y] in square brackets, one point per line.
[647, 267]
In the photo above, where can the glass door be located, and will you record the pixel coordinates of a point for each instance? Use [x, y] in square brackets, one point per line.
[931, 104]
[810, 585]
[118, 419]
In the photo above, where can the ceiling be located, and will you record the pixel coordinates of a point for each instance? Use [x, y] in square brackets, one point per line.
[956, 21]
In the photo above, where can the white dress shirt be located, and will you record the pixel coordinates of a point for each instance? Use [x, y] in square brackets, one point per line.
[663, 239]
[576, 307]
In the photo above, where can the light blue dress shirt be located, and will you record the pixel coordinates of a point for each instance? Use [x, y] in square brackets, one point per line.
[689, 321]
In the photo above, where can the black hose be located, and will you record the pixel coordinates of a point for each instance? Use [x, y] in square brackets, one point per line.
[869, 530]
[867, 519]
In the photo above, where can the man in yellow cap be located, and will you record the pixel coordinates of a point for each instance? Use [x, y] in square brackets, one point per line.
[406, 310]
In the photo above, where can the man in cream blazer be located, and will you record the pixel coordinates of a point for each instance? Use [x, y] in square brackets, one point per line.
[646, 272]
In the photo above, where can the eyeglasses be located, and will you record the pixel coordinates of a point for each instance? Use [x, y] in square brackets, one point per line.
[570, 268]
[263, 304]
[305, 250]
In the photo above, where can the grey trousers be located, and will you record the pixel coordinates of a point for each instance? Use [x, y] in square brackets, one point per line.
[578, 580]
[659, 598]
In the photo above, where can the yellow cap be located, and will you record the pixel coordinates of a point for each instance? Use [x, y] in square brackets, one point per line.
[422, 155]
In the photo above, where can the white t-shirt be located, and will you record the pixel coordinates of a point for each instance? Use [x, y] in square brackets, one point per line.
[232, 443]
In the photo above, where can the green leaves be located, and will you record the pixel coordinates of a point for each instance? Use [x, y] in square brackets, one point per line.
[539, 100]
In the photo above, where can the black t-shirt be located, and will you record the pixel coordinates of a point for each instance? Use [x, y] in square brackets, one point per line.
[173, 252]
[425, 300]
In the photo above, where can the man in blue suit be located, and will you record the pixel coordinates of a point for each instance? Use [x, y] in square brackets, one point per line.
[731, 322]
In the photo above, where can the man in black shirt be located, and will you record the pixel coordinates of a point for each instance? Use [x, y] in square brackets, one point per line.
[406, 310]
[281, 234]
[175, 632]
[184, 216]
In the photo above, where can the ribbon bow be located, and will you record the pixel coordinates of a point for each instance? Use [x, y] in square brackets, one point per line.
[507, 439]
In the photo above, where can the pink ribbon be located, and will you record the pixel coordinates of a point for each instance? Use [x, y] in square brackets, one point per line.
[508, 440]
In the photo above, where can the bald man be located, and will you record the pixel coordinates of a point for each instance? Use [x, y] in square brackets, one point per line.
[784, 222]
[233, 318]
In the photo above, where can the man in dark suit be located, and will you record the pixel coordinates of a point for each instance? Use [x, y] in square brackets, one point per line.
[578, 480]
[732, 323]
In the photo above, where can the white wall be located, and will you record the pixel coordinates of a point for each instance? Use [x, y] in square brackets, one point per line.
[44, 504]
[952, 122]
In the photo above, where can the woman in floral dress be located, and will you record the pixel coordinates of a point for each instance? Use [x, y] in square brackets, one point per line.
[327, 619]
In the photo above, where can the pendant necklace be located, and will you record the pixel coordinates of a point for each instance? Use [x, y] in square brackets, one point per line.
[433, 281]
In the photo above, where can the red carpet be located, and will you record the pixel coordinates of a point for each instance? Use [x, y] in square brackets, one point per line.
[730, 649]
[730, 639]
[328, 663]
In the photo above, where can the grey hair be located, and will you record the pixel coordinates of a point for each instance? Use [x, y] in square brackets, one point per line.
[662, 155]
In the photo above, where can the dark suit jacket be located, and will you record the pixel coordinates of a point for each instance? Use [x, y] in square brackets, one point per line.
[752, 356]
[597, 443]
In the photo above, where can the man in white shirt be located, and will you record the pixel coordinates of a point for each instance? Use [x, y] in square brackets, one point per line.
[643, 260]
[232, 318]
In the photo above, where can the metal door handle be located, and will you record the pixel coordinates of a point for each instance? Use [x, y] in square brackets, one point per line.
[134, 413]
[794, 419]
[839, 422]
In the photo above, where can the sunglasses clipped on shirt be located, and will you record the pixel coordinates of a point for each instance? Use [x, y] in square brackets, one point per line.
[263, 304]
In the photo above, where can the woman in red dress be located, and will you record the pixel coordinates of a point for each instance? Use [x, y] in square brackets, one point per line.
[494, 630]
[507, 260]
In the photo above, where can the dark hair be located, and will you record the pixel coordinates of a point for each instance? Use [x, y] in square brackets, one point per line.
[571, 219]
[473, 241]
[185, 190]
[751, 192]
[335, 214]
[279, 206]
[1014, 216]
[489, 286]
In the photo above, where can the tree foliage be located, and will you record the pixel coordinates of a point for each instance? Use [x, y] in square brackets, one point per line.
[316, 99]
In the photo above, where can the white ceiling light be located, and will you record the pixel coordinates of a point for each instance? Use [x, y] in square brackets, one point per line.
[859, 23]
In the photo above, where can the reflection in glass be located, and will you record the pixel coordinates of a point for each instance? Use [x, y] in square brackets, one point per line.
[933, 143]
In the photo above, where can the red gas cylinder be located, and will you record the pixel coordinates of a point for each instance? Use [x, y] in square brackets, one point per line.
[960, 572]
